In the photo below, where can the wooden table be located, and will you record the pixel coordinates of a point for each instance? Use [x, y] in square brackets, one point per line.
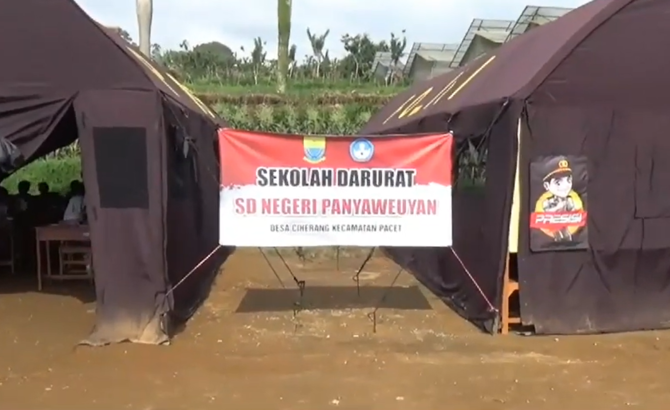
[57, 233]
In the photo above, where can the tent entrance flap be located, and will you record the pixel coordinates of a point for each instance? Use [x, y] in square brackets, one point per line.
[123, 168]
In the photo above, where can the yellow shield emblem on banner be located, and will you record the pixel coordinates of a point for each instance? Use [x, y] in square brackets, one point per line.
[314, 149]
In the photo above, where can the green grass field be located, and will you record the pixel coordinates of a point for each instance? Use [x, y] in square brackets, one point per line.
[298, 88]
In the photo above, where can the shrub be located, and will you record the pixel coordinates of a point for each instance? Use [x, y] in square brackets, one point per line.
[300, 119]
[370, 100]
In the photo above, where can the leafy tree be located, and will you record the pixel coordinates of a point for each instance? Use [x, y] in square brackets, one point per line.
[258, 56]
[215, 63]
[221, 51]
[125, 35]
[397, 47]
[318, 42]
[209, 60]
[361, 50]
[156, 52]
[291, 59]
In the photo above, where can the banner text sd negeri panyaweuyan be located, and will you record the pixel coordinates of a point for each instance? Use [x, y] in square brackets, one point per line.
[354, 192]
[311, 180]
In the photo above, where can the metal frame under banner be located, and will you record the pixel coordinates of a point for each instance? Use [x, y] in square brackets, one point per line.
[298, 305]
[302, 284]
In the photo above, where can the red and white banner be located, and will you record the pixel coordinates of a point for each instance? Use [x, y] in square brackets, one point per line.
[289, 190]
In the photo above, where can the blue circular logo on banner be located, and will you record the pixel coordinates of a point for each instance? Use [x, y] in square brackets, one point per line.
[361, 150]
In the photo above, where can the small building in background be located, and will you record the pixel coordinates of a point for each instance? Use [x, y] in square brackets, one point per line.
[534, 16]
[483, 36]
[381, 65]
[427, 60]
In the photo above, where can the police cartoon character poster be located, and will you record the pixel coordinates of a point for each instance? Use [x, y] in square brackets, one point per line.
[558, 217]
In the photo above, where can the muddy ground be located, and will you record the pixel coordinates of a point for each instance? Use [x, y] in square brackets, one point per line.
[422, 357]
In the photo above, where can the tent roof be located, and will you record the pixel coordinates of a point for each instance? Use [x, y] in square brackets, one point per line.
[513, 71]
[68, 52]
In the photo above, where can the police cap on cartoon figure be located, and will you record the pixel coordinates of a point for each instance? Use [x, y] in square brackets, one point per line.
[557, 182]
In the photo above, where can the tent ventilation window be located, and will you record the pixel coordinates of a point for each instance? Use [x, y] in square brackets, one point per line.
[470, 170]
[180, 163]
[121, 167]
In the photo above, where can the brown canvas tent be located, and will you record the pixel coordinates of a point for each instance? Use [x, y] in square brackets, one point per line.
[148, 157]
[589, 84]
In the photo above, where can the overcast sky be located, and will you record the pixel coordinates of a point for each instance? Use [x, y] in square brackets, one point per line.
[237, 23]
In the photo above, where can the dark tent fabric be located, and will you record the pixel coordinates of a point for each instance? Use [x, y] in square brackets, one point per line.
[587, 84]
[193, 207]
[65, 77]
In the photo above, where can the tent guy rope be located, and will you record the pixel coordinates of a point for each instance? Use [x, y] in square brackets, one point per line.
[474, 282]
[182, 280]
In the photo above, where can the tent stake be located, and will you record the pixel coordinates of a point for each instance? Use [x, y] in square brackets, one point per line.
[297, 305]
[373, 315]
